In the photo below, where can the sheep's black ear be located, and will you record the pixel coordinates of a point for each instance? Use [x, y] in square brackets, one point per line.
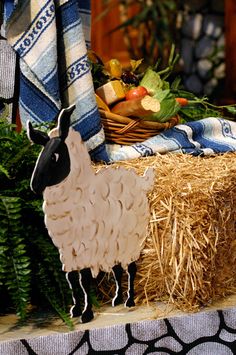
[36, 136]
[64, 121]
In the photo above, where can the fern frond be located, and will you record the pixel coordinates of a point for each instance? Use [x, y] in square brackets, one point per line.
[49, 291]
[17, 274]
[3, 253]
[50, 256]
[25, 247]
[4, 247]
[93, 296]
[4, 171]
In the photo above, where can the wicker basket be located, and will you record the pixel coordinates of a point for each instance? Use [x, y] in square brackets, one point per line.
[125, 130]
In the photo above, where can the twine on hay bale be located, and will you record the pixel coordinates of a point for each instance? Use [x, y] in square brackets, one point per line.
[189, 255]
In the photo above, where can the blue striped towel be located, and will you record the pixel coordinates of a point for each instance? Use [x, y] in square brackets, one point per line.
[51, 38]
[208, 136]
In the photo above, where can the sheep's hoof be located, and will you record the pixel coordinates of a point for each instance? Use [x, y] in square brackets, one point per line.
[75, 311]
[87, 316]
[117, 300]
[130, 303]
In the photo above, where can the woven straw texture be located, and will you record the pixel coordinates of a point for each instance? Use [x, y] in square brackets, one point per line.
[190, 251]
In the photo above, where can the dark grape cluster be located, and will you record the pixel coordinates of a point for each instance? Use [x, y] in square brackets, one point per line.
[129, 77]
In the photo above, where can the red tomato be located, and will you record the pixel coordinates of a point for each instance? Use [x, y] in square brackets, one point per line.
[136, 93]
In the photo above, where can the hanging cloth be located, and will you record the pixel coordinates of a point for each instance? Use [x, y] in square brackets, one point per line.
[7, 59]
[7, 70]
[51, 39]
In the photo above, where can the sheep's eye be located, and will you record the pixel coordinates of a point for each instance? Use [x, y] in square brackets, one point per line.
[55, 157]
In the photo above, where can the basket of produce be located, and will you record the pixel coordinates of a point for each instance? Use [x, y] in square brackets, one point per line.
[133, 107]
[129, 130]
[141, 102]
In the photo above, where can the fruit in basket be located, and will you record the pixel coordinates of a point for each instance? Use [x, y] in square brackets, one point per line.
[182, 101]
[139, 107]
[161, 91]
[114, 68]
[111, 92]
[128, 77]
[136, 92]
[169, 108]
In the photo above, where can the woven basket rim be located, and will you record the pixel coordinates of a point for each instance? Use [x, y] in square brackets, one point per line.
[142, 121]
[128, 130]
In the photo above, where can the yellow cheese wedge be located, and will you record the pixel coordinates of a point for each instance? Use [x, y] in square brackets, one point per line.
[111, 92]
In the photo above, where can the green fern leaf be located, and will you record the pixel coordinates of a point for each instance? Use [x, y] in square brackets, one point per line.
[50, 256]
[16, 270]
[4, 247]
[4, 171]
[50, 292]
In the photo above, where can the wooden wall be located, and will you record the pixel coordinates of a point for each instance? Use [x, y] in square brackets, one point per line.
[107, 45]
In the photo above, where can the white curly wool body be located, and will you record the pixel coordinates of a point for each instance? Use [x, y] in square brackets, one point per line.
[97, 219]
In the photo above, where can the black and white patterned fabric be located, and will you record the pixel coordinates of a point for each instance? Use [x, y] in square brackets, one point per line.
[7, 70]
[211, 333]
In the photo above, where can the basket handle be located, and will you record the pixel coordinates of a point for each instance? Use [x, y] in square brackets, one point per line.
[130, 125]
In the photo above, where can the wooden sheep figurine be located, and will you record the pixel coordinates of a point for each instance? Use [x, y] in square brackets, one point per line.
[97, 220]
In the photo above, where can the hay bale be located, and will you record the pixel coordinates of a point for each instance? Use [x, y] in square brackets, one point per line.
[190, 252]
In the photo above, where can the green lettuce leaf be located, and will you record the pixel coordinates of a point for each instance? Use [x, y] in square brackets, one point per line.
[151, 81]
[169, 107]
[160, 90]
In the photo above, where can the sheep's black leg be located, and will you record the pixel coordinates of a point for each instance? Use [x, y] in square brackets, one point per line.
[117, 271]
[131, 276]
[73, 281]
[85, 281]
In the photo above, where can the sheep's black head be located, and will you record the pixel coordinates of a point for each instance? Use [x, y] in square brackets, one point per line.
[53, 164]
